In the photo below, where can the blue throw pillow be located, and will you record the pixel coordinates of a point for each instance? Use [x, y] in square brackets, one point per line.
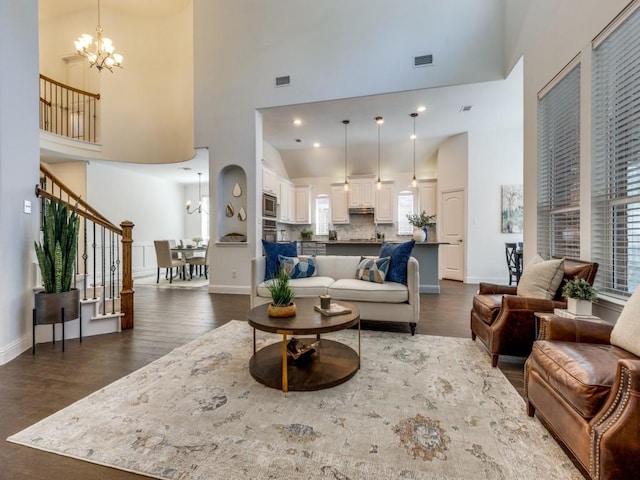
[373, 269]
[272, 250]
[298, 267]
[399, 253]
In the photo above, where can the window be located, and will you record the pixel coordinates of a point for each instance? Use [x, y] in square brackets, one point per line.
[615, 207]
[405, 207]
[322, 215]
[559, 165]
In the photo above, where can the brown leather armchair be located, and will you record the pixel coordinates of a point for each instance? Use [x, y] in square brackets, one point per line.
[587, 392]
[505, 322]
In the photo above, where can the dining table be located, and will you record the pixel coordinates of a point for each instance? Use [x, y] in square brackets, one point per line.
[187, 252]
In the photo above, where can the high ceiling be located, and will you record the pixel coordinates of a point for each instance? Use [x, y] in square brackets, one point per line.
[494, 105]
[49, 8]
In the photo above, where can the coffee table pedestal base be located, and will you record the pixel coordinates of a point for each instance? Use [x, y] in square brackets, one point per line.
[333, 363]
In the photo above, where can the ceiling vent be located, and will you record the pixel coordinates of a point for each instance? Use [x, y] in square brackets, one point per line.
[283, 81]
[423, 60]
[465, 108]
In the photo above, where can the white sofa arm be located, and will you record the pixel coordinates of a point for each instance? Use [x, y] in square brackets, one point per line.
[413, 285]
[258, 269]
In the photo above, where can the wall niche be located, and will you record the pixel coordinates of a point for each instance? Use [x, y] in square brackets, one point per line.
[232, 204]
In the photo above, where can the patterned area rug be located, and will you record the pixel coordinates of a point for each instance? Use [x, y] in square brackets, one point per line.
[420, 407]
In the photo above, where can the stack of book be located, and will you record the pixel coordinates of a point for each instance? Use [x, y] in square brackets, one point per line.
[563, 312]
[334, 309]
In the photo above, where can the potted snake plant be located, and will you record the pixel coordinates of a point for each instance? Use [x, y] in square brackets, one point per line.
[56, 252]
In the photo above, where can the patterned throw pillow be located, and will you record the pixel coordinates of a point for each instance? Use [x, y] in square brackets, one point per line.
[373, 269]
[399, 253]
[298, 267]
[272, 250]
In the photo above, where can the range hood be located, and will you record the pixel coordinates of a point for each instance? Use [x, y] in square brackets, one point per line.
[361, 211]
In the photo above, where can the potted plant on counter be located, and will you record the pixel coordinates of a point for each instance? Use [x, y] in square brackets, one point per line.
[282, 294]
[56, 254]
[421, 222]
[306, 234]
[580, 295]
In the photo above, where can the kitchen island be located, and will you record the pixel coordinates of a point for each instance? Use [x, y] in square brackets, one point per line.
[426, 253]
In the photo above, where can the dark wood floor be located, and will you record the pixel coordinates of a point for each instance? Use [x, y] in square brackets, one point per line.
[33, 387]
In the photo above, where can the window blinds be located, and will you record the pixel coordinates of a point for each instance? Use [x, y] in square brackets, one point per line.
[559, 168]
[322, 215]
[616, 159]
[405, 207]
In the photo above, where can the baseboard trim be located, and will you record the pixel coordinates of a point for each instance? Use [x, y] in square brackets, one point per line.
[230, 289]
[14, 349]
[495, 280]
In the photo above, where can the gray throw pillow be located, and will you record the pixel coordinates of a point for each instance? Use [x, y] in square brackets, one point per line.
[626, 331]
[541, 278]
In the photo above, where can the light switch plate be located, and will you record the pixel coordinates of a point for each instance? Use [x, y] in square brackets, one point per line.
[27, 206]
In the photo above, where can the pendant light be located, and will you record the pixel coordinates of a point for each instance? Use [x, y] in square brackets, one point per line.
[379, 121]
[346, 182]
[414, 182]
[199, 208]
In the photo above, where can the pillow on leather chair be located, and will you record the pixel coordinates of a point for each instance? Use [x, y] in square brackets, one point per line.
[541, 278]
[626, 331]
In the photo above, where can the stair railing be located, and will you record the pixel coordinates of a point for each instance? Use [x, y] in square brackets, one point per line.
[104, 255]
[68, 111]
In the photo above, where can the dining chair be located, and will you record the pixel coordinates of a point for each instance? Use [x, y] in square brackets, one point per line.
[165, 260]
[200, 261]
[513, 262]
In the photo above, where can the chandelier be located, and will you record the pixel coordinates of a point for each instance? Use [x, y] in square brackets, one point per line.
[102, 54]
[199, 208]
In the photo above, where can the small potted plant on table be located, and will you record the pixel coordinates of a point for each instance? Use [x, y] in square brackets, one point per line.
[421, 222]
[281, 296]
[580, 295]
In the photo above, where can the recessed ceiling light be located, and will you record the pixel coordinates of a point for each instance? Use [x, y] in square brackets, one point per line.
[421, 109]
[297, 122]
[316, 145]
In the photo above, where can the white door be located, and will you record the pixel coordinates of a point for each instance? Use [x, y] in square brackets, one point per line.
[452, 230]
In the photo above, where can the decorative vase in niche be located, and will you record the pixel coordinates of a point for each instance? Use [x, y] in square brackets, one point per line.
[281, 312]
[420, 234]
[579, 307]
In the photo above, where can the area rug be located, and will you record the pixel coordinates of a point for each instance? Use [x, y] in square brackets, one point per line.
[196, 282]
[420, 407]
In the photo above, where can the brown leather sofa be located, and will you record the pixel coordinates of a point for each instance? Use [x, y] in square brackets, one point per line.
[587, 392]
[505, 322]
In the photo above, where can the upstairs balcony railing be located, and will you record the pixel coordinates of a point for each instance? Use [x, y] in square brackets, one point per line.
[104, 257]
[68, 111]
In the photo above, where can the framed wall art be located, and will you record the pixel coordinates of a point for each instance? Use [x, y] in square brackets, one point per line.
[512, 209]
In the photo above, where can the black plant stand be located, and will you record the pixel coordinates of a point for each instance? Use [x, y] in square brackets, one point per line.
[53, 329]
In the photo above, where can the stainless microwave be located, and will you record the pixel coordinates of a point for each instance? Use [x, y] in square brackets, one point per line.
[269, 205]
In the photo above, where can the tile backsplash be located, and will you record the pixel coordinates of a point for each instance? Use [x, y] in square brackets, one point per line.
[360, 227]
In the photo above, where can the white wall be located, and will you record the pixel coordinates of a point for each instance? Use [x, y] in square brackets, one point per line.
[495, 159]
[19, 163]
[328, 59]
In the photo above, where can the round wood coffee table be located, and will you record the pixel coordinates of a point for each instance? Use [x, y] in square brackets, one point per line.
[331, 364]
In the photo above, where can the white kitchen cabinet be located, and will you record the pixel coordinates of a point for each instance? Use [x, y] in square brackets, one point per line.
[427, 195]
[302, 204]
[383, 211]
[286, 211]
[270, 182]
[361, 192]
[339, 204]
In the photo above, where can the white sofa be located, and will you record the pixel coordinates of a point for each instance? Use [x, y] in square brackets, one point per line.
[336, 275]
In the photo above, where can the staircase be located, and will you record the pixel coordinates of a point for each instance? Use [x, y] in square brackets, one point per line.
[103, 268]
